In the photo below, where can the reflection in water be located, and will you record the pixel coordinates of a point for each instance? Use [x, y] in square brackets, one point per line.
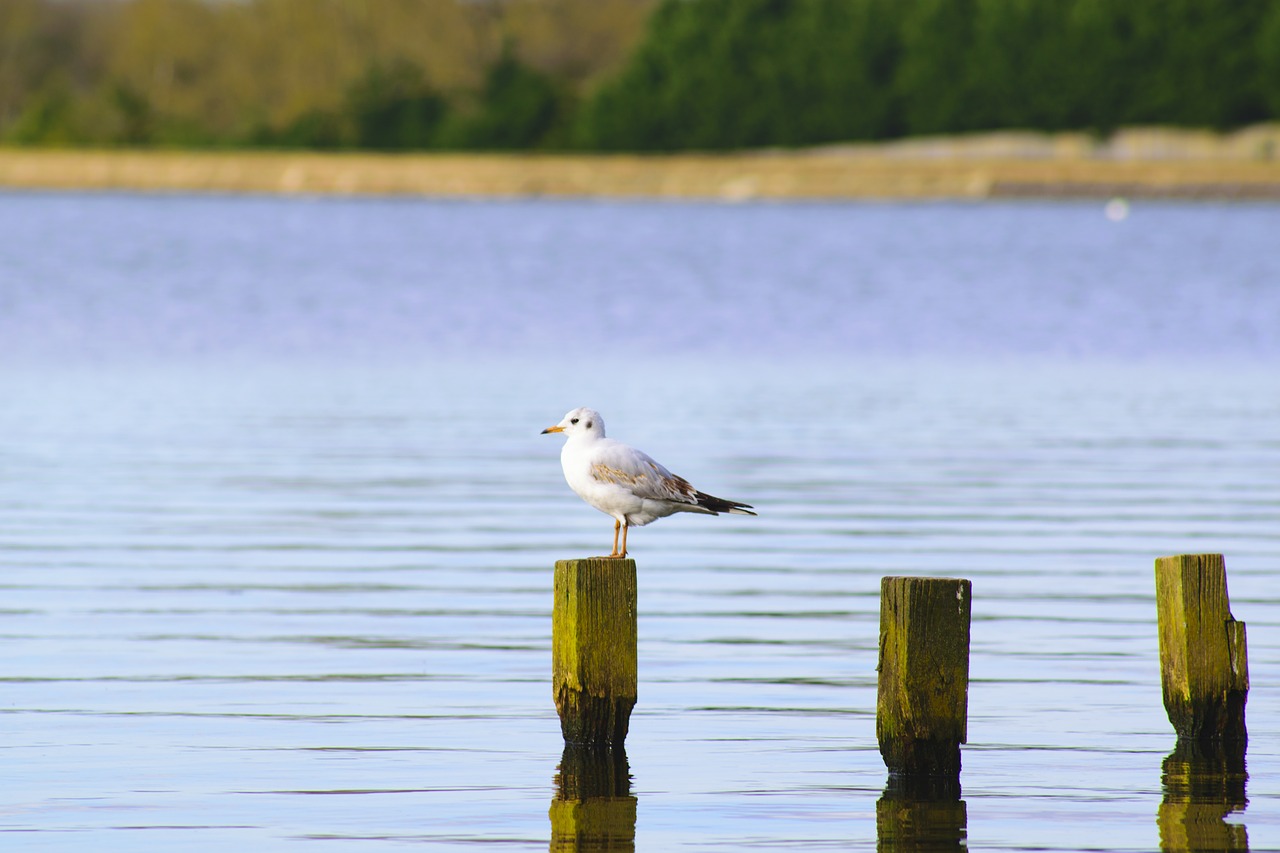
[921, 813]
[1203, 783]
[593, 808]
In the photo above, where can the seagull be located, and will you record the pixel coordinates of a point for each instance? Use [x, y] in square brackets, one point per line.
[626, 483]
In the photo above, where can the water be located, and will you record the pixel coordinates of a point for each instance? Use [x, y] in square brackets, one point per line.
[277, 526]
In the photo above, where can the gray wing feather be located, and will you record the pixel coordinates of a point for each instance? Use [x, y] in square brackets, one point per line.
[641, 474]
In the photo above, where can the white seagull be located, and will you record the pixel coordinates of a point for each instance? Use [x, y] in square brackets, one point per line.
[626, 483]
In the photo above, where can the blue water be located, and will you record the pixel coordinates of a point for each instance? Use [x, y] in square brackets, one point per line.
[277, 525]
[119, 277]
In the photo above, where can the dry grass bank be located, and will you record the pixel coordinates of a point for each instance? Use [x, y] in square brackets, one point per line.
[1145, 163]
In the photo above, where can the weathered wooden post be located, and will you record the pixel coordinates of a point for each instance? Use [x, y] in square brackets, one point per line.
[593, 808]
[593, 658]
[1204, 666]
[923, 699]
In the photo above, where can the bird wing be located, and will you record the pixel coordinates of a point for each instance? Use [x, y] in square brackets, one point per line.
[620, 465]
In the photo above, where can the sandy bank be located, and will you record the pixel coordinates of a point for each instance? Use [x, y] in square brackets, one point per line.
[1140, 163]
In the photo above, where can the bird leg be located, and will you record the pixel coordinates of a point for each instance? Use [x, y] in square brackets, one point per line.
[616, 525]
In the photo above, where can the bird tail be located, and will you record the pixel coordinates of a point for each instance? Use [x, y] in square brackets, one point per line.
[718, 505]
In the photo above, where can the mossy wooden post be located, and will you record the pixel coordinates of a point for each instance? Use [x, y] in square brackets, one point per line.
[1204, 666]
[922, 707]
[593, 658]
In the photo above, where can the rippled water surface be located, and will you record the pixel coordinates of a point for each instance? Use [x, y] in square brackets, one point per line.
[277, 525]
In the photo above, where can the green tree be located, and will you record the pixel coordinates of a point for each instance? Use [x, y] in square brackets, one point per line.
[1097, 38]
[844, 91]
[1267, 46]
[316, 128]
[518, 108]
[134, 119]
[49, 119]
[935, 78]
[51, 60]
[1019, 68]
[392, 108]
[733, 73]
[1208, 61]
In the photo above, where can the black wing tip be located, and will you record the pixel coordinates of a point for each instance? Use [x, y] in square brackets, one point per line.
[719, 505]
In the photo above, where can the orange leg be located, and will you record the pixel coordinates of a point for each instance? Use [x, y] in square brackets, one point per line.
[625, 528]
[616, 525]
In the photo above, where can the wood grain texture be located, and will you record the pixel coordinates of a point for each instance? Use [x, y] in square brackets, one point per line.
[923, 695]
[594, 658]
[1204, 666]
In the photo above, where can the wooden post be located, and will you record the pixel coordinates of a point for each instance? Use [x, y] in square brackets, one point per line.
[593, 808]
[923, 699]
[593, 658]
[1204, 665]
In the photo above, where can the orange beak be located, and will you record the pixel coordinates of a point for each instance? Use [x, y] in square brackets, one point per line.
[553, 429]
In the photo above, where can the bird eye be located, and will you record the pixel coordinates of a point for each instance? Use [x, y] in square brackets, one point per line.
[573, 421]
[588, 424]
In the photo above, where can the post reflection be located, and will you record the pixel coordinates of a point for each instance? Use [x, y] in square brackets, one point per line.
[918, 813]
[593, 808]
[1203, 783]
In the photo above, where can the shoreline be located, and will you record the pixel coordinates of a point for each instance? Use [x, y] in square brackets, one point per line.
[1136, 164]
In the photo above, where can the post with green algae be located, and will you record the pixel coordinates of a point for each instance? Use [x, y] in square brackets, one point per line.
[593, 658]
[1204, 663]
[923, 698]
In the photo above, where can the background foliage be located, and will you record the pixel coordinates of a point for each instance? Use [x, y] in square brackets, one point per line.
[636, 75]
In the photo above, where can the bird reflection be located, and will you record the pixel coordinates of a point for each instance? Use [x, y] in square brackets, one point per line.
[1203, 783]
[593, 808]
[921, 813]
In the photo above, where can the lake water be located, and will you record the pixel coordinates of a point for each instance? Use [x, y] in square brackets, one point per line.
[277, 524]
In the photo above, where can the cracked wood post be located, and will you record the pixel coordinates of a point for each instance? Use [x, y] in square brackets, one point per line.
[1204, 663]
[593, 643]
[923, 698]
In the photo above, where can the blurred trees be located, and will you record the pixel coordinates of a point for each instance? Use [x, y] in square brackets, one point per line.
[50, 53]
[621, 74]
[718, 74]
[388, 74]
[742, 73]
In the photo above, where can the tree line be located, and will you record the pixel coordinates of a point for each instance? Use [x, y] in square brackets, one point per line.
[387, 74]
[619, 75]
[716, 74]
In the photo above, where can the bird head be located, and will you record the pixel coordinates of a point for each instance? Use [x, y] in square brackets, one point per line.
[580, 422]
